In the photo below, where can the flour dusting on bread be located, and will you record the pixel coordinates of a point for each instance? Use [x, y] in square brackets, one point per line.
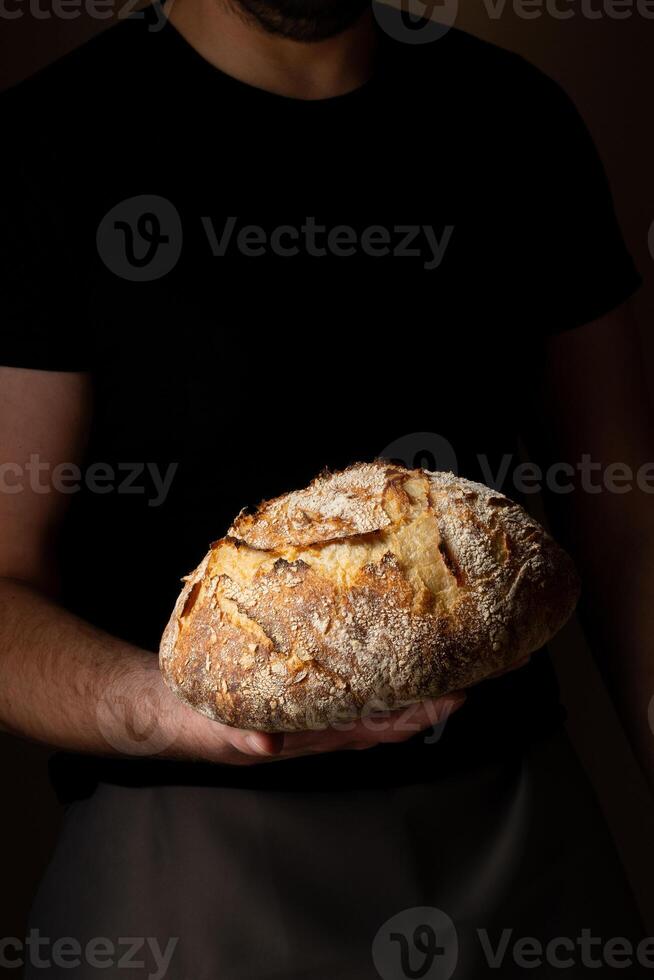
[377, 585]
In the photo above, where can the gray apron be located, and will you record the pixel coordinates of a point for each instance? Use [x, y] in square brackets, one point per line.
[465, 876]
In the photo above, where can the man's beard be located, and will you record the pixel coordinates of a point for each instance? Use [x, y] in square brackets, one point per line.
[303, 20]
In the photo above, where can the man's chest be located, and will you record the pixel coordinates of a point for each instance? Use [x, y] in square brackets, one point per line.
[298, 288]
[385, 217]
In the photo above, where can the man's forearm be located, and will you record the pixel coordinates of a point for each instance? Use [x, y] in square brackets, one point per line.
[68, 684]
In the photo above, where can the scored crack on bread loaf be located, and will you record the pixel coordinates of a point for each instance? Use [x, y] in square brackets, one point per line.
[375, 586]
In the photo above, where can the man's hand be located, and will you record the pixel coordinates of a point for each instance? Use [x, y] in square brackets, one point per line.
[138, 715]
[197, 737]
[72, 686]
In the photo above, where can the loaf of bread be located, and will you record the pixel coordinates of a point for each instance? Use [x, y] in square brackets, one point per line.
[373, 587]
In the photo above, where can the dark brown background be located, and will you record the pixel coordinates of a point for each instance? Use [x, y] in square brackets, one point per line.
[606, 66]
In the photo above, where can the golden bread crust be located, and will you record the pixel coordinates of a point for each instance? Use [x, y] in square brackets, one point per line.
[374, 586]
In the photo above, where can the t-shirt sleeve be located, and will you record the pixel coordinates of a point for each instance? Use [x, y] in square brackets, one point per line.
[571, 255]
[43, 322]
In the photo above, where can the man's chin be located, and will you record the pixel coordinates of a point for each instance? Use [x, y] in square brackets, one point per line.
[303, 20]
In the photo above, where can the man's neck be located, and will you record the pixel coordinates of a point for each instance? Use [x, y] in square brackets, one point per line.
[241, 48]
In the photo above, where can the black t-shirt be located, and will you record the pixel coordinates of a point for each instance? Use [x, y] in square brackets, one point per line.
[262, 287]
